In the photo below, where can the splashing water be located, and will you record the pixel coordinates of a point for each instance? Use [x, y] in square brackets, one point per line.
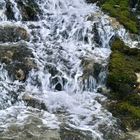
[62, 41]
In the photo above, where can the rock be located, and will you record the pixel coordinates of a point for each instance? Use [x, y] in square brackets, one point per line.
[91, 68]
[91, 73]
[18, 59]
[13, 34]
[69, 134]
[9, 11]
[29, 10]
[34, 102]
[97, 38]
[20, 75]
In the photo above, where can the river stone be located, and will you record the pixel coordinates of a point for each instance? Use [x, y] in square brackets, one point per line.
[18, 60]
[13, 34]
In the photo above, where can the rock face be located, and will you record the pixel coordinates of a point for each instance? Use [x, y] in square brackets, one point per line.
[124, 83]
[13, 34]
[18, 59]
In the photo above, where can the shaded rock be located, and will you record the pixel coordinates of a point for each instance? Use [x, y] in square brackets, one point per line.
[95, 1]
[97, 38]
[9, 11]
[29, 10]
[91, 73]
[18, 59]
[13, 34]
[72, 135]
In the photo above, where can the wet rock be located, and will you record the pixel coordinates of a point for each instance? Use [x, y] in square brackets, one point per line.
[34, 102]
[97, 38]
[91, 68]
[9, 11]
[29, 10]
[91, 73]
[18, 59]
[13, 34]
[73, 135]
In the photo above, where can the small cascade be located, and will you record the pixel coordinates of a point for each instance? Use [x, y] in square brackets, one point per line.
[57, 61]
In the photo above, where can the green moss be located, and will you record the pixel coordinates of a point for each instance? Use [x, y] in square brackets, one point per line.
[120, 10]
[124, 63]
[128, 113]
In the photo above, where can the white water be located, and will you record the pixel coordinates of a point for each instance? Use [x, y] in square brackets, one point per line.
[60, 40]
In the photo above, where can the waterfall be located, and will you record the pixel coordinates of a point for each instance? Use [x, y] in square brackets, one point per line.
[69, 40]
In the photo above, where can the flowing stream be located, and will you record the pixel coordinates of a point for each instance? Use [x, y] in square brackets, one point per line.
[70, 44]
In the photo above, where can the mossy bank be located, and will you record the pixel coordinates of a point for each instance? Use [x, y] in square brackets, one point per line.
[124, 65]
[125, 11]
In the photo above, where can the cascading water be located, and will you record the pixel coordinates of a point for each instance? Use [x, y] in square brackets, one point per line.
[71, 64]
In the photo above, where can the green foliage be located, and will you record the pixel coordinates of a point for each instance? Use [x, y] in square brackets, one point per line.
[120, 9]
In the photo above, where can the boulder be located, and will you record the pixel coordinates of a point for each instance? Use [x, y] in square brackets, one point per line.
[18, 60]
[13, 34]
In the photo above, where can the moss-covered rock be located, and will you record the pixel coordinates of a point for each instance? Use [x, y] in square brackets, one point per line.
[123, 80]
[123, 11]
[124, 64]
[120, 9]
[128, 114]
[13, 34]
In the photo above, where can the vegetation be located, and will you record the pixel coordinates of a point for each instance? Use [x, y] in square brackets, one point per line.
[123, 66]
[120, 9]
